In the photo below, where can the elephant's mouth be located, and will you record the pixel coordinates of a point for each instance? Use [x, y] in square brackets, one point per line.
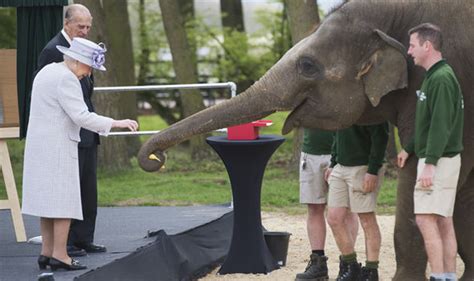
[293, 119]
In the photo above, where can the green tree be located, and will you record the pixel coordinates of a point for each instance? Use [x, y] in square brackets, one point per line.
[144, 56]
[185, 66]
[233, 29]
[7, 28]
[151, 41]
[242, 57]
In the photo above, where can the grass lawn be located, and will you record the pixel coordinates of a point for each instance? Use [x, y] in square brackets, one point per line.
[185, 182]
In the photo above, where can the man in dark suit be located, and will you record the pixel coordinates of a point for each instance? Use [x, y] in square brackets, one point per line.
[77, 23]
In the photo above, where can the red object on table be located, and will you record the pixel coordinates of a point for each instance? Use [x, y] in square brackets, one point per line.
[247, 131]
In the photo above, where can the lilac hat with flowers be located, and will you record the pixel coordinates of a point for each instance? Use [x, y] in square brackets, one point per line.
[86, 52]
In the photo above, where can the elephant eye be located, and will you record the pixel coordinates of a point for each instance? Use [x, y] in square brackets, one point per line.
[310, 68]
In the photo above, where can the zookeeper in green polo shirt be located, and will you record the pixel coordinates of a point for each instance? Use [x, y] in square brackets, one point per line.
[315, 159]
[354, 184]
[437, 143]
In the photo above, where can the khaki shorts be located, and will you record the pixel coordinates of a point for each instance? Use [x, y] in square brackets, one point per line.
[313, 187]
[439, 199]
[345, 189]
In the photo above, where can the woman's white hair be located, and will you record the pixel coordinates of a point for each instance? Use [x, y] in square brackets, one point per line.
[69, 59]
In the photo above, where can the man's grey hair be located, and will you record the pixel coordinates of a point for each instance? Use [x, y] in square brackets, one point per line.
[73, 9]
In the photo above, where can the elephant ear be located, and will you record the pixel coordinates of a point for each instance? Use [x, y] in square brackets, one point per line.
[385, 70]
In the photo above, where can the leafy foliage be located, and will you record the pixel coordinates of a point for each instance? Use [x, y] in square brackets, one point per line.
[7, 28]
[159, 71]
[241, 58]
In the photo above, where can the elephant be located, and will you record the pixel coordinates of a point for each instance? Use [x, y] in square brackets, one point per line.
[353, 69]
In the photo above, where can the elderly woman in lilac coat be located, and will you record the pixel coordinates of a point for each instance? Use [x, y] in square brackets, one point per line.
[51, 188]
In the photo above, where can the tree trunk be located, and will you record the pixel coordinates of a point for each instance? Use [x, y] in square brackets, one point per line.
[303, 17]
[110, 25]
[186, 8]
[166, 113]
[185, 66]
[391, 153]
[144, 58]
[285, 43]
[232, 14]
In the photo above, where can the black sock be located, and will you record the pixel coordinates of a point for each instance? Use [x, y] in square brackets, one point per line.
[318, 252]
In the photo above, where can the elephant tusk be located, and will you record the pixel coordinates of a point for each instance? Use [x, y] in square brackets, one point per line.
[154, 157]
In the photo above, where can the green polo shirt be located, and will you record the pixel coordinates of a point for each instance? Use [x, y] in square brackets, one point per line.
[439, 115]
[361, 145]
[317, 141]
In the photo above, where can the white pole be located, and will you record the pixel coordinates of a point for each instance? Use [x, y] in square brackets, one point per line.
[231, 85]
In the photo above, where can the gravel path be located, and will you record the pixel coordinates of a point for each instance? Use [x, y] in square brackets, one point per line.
[298, 252]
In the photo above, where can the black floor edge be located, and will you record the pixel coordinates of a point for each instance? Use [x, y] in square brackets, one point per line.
[183, 256]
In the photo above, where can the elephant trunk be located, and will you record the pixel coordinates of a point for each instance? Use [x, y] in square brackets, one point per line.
[255, 103]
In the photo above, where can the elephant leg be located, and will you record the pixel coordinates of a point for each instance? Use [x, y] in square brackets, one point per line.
[464, 225]
[409, 248]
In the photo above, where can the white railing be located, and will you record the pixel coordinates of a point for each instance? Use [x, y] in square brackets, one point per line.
[231, 85]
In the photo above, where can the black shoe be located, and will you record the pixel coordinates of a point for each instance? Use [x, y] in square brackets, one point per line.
[74, 251]
[92, 248]
[316, 270]
[369, 274]
[341, 267]
[348, 271]
[43, 261]
[57, 264]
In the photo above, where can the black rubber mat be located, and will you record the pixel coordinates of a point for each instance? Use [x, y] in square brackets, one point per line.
[124, 230]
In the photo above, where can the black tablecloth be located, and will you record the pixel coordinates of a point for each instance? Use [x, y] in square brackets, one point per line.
[245, 161]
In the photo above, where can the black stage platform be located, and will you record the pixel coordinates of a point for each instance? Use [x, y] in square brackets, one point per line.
[144, 243]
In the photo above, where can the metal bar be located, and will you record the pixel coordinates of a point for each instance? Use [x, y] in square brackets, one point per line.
[231, 85]
[139, 133]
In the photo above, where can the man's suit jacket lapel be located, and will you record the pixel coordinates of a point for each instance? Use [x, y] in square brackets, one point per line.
[62, 40]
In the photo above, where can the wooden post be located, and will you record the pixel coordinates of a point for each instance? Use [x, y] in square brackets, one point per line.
[12, 202]
[9, 129]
